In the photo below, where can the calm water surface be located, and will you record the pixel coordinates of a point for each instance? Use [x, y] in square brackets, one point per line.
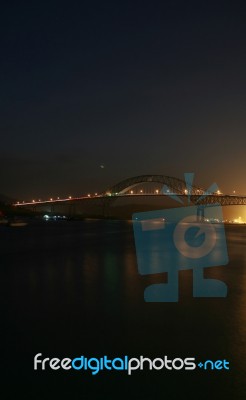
[73, 288]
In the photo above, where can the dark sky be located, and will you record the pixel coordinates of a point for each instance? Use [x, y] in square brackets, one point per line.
[143, 87]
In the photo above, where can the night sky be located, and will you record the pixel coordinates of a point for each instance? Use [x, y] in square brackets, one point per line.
[142, 87]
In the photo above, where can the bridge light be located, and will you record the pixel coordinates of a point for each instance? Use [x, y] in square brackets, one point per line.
[18, 202]
[131, 192]
[33, 201]
[51, 199]
[88, 195]
[58, 198]
[39, 199]
[141, 191]
[186, 191]
[70, 197]
[95, 194]
[218, 192]
[157, 191]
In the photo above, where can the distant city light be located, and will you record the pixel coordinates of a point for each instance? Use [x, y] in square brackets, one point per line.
[238, 220]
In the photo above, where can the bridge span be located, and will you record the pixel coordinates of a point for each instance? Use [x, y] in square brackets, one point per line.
[131, 194]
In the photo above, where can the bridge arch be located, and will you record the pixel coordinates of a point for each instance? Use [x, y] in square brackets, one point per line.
[175, 184]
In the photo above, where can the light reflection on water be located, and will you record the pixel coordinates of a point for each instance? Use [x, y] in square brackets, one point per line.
[74, 287]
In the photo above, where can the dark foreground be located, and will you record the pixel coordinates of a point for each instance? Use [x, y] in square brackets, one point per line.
[72, 288]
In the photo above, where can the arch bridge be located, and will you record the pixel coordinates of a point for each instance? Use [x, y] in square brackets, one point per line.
[177, 186]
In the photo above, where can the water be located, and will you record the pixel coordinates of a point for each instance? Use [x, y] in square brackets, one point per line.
[72, 288]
